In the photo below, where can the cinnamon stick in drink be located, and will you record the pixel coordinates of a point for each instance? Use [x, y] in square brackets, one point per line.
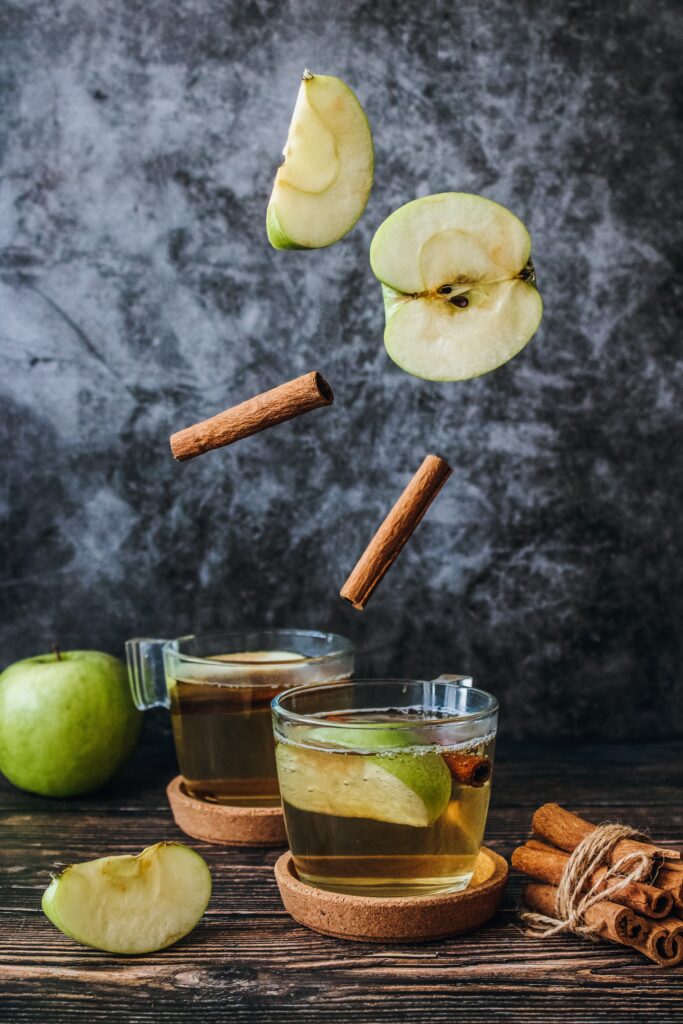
[395, 531]
[566, 830]
[619, 924]
[303, 394]
[548, 864]
[468, 769]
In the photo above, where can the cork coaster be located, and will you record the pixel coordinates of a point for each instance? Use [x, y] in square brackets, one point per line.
[395, 919]
[226, 826]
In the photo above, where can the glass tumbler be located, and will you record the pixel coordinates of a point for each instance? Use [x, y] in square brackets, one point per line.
[385, 784]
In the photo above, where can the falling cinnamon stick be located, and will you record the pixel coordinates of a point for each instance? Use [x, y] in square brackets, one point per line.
[303, 394]
[619, 924]
[548, 864]
[469, 769]
[566, 830]
[395, 531]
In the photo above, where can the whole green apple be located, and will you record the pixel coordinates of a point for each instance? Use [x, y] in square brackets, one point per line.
[67, 722]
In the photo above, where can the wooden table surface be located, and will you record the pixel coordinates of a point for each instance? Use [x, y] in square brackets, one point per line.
[248, 961]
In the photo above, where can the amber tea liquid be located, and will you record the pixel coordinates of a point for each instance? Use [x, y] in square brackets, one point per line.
[223, 731]
[372, 823]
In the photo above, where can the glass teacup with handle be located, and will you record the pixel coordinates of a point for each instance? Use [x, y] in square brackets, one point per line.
[385, 783]
[218, 688]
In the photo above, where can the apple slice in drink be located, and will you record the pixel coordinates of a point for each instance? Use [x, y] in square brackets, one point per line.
[322, 187]
[458, 284]
[408, 788]
[131, 904]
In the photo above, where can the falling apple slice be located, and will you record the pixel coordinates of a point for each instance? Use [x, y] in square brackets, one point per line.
[323, 185]
[458, 283]
[131, 904]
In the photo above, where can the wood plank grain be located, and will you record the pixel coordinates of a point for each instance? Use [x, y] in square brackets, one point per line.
[248, 961]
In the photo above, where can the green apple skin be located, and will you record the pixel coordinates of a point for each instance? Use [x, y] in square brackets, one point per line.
[426, 774]
[393, 299]
[276, 235]
[368, 738]
[131, 904]
[463, 243]
[280, 240]
[67, 723]
[324, 202]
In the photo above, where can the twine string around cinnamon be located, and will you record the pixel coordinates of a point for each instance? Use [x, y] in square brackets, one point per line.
[575, 893]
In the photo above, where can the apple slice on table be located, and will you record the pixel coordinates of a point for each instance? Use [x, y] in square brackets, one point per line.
[459, 287]
[131, 904]
[322, 187]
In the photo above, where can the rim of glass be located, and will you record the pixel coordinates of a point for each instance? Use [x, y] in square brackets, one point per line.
[292, 716]
[342, 646]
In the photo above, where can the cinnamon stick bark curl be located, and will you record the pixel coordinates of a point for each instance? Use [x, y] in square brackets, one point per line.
[548, 864]
[672, 881]
[607, 919]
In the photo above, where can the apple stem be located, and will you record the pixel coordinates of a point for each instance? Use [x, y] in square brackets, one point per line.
[57, 653]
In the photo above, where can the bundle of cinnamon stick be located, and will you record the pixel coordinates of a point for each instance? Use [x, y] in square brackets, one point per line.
[646, 915]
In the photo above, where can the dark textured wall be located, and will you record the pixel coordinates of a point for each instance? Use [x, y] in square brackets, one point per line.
[139, 293]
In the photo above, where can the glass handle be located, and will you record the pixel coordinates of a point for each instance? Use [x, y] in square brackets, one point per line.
[145, 658]
[460, 680]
